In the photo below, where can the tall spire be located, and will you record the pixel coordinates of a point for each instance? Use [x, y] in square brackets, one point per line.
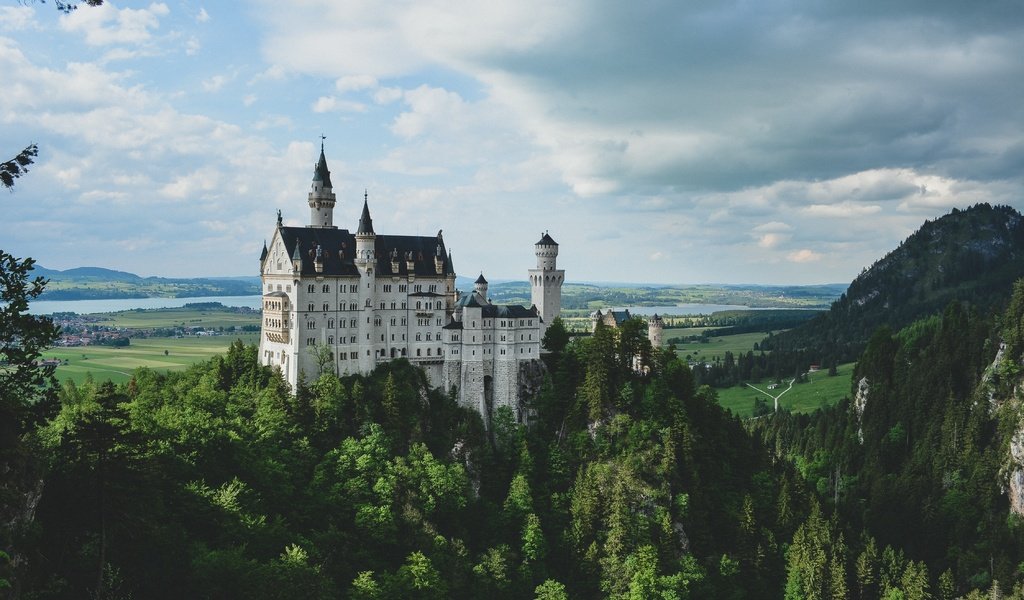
[320, 172]
[365, 223]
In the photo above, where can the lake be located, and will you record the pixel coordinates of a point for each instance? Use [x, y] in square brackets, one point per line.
[85, 307]
[682, 309]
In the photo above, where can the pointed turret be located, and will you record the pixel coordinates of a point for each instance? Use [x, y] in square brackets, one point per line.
[263, 255]
[480, 287]
[365, 222]
[321, 196]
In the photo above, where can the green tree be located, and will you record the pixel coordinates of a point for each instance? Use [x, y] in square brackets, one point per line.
[23, 337]
[556, 337]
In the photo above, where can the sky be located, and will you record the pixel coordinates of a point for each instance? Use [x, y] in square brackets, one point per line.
[762, 142]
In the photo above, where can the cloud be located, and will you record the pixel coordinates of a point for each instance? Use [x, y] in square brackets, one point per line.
[105, 24]
[202, 16]
[215, 83]
[803, 256]
[17, 18]
[325, 104]
[351, 83]
[192, 46]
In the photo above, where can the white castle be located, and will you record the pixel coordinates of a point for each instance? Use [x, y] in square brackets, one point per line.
[334, 300]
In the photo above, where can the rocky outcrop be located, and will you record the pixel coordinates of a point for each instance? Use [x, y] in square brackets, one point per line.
[1016, 477]
[860, 402]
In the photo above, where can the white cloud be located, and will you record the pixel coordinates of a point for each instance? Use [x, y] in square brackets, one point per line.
[428, 107]
[192, 46]
[771, 240]
[842, 210]
[325, 104]
[17, 18]
[803, 256]
[249, 99]
[105, 24]
[354, 83]
[202, 16]
[215, 83]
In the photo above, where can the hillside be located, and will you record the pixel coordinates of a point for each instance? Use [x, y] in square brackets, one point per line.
[90, 283]
[972, 255]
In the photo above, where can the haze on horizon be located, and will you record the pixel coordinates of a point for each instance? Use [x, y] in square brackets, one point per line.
[766, 143]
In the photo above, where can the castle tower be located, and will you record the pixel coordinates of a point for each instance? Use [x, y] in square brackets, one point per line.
[655, 331]
[321, 196]
[365, 262]
[546, 281]
[480, 287]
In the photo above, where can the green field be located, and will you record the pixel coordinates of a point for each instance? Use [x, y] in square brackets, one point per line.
[739, 343]
[179, 317]
[820, 390]
[116, 364]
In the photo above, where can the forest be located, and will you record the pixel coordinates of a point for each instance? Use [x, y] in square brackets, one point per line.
[626, 480]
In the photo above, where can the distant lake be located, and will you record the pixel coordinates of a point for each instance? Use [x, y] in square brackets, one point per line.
[84, 307]
[684, 309]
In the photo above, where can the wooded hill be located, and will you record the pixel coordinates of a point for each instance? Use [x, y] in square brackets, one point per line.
[971, 255]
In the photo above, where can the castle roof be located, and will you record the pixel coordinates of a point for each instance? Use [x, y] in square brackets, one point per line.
[263, 255]
[365, 223]
[546, 240]
[320, 172]
[338, 248]
[480, 279]
[509, 311]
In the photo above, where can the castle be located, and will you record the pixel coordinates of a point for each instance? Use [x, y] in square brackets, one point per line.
[343, 302]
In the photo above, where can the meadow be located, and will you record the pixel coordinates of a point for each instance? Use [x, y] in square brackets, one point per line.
[716, 347]
[209, 318]
[157, 353]
[820, 390]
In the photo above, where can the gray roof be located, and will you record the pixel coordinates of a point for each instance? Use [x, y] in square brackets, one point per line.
[480, 279]
[338, 250]
[365, 222]
[320, 172]
[546, 240]
[509, 311]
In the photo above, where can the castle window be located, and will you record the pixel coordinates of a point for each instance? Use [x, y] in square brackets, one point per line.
[419, 337]
[439, 352]
[403, 288]
[382, 337]
[310, 324]
[503, 352]
[392, 321]
[439, 321]
[330, 340]
[417, 288]
[428, 336]
[428, 351]
[438, 305]
[417, 352]
[382, 305]
[326, 307]
[311, 306]
[287, 288]
[392, 306]
[330, 323]
[311, 341]
[404, 320]
[417, 304]
[326, 288]
[387, 288]
[311, 288]
[352, 306]
[352, 323]
[403, 305]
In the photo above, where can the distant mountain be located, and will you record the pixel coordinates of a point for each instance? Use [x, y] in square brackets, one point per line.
[86, 273]
[971, 255]
[91, 283]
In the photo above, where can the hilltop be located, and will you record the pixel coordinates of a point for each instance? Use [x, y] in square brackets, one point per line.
[90, 283]
[971, 255]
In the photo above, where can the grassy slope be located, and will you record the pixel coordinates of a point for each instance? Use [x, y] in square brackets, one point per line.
[116, 364]
[820, 390]
[185, 317]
